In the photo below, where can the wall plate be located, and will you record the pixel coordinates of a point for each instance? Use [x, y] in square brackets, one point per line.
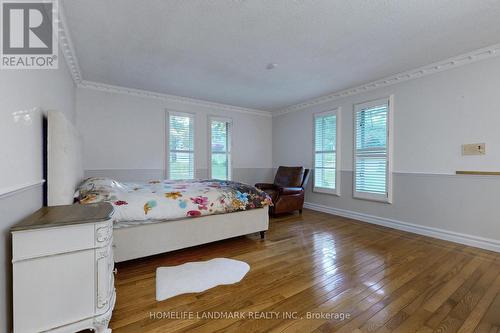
[474, 149]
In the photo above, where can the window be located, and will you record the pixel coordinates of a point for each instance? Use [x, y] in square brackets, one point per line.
[325, 152]
[220, 148]
[372, 166]
[181, 146]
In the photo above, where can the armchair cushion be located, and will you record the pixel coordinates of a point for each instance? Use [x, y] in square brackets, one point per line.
[290, 190]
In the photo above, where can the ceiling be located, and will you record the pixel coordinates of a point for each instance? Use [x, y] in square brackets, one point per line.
[218, 50]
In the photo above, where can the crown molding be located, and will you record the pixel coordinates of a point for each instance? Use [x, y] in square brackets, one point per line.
[67, 47]
[168, 98]
[69, 53]
[450, 63]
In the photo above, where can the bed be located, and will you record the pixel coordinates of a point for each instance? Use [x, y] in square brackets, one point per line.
[146, 222]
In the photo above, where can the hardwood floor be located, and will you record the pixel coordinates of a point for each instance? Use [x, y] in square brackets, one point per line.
[352, 276]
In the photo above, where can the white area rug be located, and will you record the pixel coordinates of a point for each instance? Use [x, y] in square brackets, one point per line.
[199, 276]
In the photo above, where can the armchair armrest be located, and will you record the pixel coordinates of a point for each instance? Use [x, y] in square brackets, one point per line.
[291, 190]
[265, 186]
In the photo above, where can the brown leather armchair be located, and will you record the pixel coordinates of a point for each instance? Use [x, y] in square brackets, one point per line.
[287, 191]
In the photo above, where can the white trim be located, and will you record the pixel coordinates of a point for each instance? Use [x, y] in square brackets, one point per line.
[166, 144]
[325, 190]
[421, 173]
[430, 173]
[437, 174]
[450, 63]
[181, 113]
[66, 45]
[442, 174]
[452, 236]
[370, 196]
[436, 67]
[12, 190]
[390, 148]
[387, 198]
[168, 98]
[168, 113]
[336, 191]
[371, 103]
[229, 152]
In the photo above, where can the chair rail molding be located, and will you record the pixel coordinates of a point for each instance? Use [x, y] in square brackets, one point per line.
[12, 190]
[436, 67]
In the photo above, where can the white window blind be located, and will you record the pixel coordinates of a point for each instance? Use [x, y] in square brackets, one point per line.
[371, 151]
[181, 146]
[220, 148]
[325, 152]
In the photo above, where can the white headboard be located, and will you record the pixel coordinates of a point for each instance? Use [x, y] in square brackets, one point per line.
[64, 159]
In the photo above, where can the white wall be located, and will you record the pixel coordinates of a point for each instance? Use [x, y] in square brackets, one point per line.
[21, 152]
[433, 116]
[20, 144]
[125, 132]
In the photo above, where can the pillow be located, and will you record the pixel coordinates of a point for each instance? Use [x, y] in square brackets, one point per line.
[96, 189]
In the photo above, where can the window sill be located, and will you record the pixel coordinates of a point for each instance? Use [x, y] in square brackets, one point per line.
[373, 198]
[324, 190]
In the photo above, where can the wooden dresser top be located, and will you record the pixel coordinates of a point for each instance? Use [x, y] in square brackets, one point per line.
[57, 216]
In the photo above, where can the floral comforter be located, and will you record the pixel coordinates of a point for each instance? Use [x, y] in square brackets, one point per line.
[171, 199]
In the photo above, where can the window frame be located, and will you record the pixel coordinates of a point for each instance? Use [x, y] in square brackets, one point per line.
[229, 152]
[387, 198]
[325, 190]
[166, 140]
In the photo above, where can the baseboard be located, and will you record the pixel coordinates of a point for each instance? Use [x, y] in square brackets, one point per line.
[475, 241]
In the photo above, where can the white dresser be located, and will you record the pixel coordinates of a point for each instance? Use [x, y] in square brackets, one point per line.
[63, 267]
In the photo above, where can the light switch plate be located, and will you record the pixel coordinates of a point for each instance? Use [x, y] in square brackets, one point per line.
[474, 149]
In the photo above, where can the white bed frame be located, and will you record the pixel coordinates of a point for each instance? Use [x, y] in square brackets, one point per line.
[65, 173]
[133, 242]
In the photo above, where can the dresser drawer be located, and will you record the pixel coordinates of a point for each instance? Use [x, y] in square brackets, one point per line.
[49, 241]
[52, 291]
